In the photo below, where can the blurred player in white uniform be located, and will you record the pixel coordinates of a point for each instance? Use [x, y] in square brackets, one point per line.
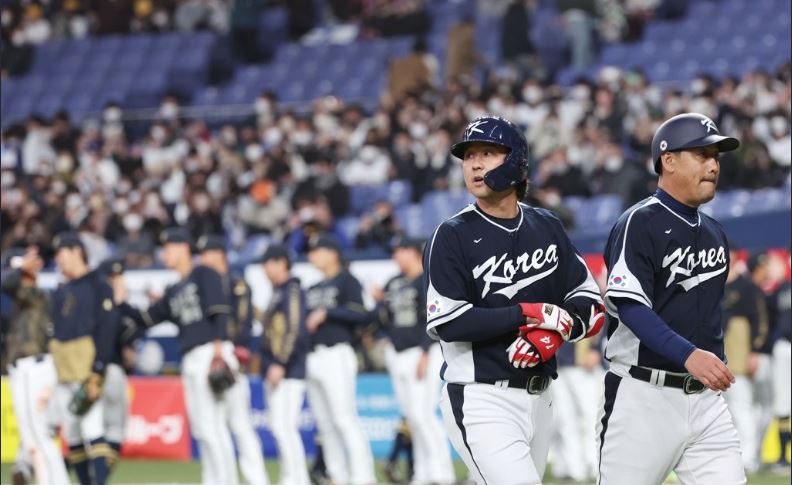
[336, 313]
[414, 362]
[240, 324]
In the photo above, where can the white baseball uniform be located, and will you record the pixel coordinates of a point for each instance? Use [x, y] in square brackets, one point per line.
[33, 382]
[285, 404]
[251, 461]
[116, 403]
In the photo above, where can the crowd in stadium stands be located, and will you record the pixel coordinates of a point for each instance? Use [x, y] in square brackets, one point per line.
[287, 175]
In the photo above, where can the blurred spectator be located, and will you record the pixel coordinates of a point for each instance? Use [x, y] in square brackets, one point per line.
[462, 55]
[302, 17]
[515, 43]
[191, 15]
[579, 19]
[245, 16]
[116, 17]
[378, 228]
[412, 73]
[388, 18]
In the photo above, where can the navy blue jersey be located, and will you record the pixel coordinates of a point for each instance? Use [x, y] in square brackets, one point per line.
[780, 303]
[744, 303]
[342, 297]
[240, 321]
[197, 304]
[675, 261]
[477, 261]
[285, 339]
[402, 313]
[84, 306]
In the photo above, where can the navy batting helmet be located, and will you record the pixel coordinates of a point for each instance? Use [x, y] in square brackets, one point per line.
[502, 132]
[688, 130]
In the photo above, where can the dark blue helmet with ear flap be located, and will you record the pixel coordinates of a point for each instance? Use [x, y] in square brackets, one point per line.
[688, 130]
[502, 132]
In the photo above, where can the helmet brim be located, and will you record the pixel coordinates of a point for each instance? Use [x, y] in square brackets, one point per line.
[458, 149]
[724, 143]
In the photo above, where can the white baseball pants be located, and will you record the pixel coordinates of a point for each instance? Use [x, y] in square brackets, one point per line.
[740, 398]
[574, 444]
[418, 400]
[207, 415]
[32, 381]
[285, 402]
[502, 434]
[251, 461]
[646, 431]
[331, 382]
[782, 368]
[116, 403]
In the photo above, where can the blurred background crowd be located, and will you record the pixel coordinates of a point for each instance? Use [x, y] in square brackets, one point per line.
[280, 170]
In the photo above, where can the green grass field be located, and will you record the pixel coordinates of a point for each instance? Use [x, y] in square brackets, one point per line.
[140, 472]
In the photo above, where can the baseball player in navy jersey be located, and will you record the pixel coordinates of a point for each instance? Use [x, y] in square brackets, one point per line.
[746, 329]
[285, 345]
[579, 384]
[505, 288]
[240, 325]
[336, 312]
[114, 391]
[197, 304]
[31, 371]
[781, 313]
[667, 265]
[85, 325]
[402, 312]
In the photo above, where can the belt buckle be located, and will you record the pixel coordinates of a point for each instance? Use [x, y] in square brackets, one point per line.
[536, 385]
[691, 385]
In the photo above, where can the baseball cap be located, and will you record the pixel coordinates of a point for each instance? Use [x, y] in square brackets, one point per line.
[211, 242]
[323, 241]
[67, 239]
[112, 267]
[275, 251]
[175, 235]
[405, 242]
[11, 253]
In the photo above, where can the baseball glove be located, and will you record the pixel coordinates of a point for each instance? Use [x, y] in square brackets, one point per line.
[88, 393]
[534, 346]
[221, 377]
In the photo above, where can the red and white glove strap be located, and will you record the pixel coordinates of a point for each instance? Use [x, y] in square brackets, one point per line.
[522, 354]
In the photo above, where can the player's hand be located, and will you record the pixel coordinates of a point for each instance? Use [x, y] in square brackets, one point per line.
[275, 373]
[315, 318]
[242, 355]
[420, 369]
[546, 316]
[709, 369]
[522, 353]
[31, 263]
[377, 293]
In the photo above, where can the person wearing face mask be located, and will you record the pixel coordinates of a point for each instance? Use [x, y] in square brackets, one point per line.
[667, 268]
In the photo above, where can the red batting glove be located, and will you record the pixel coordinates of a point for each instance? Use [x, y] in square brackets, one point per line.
[533, 347]
[243, 355]
[546, 316]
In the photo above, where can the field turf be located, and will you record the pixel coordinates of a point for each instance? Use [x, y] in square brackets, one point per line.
[139, 472]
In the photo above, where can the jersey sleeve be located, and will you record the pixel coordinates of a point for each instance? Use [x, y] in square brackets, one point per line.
[350, 307]
[446, 280]
[630, 260]
[214, 301]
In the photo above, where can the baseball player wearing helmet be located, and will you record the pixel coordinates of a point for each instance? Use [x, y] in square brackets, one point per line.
[85, 324]
[414, 362]
[285, 346]
[31, 371]
[197, 304]
[240, 324]
[505, 288]
[336, 312]
[667, 265]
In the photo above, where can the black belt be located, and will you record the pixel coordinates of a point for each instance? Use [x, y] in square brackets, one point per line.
[531, 384]
[688, 383]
